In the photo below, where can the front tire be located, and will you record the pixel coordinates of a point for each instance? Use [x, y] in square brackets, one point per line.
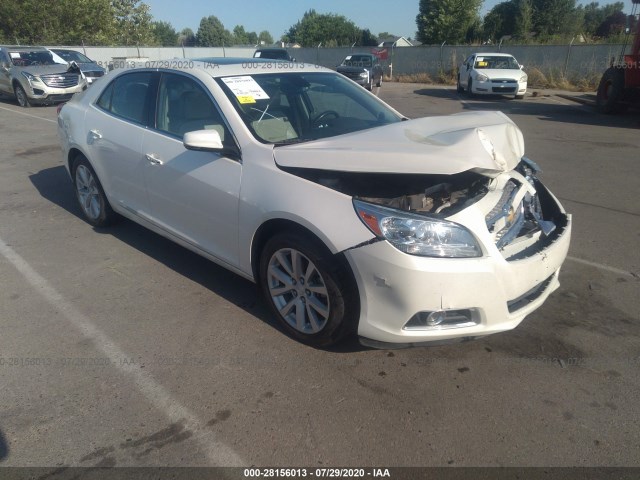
[459, 88]
[90, 195]
[379, 84]
[611, 91]
[470, 87]
[21, 96]
[311, 292]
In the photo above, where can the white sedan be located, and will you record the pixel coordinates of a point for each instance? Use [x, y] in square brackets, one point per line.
[351, 218]
[492, 74]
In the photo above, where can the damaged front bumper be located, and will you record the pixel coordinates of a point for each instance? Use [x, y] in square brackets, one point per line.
[409, 299]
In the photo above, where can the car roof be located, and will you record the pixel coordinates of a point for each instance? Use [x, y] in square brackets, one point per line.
[18, 48]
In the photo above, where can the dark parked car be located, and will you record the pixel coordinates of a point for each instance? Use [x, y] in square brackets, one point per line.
[274, 54]
[90, 68]
[362, 68]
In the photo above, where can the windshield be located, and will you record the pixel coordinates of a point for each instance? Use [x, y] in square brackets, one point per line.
[283, 108]
[72, 56]
[32, 58]
[508, 63]
[357, 61]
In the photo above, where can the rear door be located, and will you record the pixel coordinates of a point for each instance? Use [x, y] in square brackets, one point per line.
[115, 126]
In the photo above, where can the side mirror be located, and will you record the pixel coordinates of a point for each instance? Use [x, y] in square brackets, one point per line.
[208, 141]
[521, 67]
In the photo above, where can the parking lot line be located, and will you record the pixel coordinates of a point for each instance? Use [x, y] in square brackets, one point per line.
[28, 115]
[601, 266]
[218, 454]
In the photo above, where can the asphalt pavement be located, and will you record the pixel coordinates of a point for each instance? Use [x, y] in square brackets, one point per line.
[120, 348]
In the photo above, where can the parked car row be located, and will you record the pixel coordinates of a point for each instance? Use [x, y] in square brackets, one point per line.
[351, 218]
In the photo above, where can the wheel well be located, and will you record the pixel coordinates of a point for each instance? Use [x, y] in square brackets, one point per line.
[268, 230]
[74, 153]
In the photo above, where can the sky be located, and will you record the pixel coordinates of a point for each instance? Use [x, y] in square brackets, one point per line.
[276, 16]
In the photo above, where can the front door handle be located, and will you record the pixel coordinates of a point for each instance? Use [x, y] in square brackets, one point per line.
[93, 136]
[153, 159]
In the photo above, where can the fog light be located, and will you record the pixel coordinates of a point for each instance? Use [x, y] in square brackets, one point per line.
[436, 318]
[443, 319]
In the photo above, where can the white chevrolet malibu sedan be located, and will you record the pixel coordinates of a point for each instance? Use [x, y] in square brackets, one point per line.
[492, 74]
[351, 218]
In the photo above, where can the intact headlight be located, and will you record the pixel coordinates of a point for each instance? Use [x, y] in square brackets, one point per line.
[481, 77]
[416, 234]
[523, 78]
[364, 75]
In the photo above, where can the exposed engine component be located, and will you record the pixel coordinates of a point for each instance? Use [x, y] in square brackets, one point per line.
[441, 195]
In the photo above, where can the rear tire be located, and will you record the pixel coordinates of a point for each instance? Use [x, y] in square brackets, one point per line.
[379, 84]
[21, 96]
[90, 195]
[311, 293]
[611, 91]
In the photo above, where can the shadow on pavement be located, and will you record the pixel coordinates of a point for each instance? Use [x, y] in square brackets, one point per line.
[54, 185]
[4, 447]
[541, 106]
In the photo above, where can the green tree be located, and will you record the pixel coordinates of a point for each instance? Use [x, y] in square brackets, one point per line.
[500, 21]
[328, 29]
[555, 18]
[445, 20]
[265, 37]
[132, 22]
[524, 18]
[595, 15]
[367, 39]
[165, 34]
[67, 22]
[239, 35]
[384, 36]
[252, 38]
[212, 33]
[187, 38]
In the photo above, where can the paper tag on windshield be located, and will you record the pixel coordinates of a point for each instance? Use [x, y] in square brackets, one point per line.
[14, 54]
[246, 89]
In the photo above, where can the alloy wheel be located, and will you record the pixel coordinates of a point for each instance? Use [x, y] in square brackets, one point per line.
[298, 291]
[88, 193]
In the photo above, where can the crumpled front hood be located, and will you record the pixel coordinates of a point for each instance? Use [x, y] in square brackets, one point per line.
[486, 142]
[39, 70]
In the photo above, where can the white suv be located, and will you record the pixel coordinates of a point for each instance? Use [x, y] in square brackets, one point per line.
[32, 76]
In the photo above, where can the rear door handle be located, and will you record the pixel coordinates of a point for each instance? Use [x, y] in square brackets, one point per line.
[153, 159]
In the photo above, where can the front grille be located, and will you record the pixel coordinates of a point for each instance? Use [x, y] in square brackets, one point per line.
[509, 219]
[503, 89]
[533, 294]
[61, 80]
[504, 85]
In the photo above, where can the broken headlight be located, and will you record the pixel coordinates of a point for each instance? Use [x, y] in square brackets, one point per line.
[416, 234]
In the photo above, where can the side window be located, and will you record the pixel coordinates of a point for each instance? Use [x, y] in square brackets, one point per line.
[128, 97]
[184, 106]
